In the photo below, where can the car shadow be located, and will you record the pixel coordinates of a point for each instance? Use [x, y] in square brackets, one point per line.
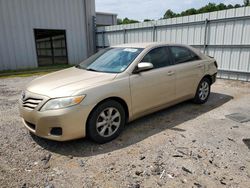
[138, 130]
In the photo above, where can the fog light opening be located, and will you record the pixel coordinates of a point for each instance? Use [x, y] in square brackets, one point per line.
[31, 126]
[56, 131]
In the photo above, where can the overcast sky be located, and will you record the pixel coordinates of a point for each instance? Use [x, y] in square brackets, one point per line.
[151, 9]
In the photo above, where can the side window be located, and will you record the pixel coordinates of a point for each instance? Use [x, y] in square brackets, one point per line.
[158, 57]
[182, 55]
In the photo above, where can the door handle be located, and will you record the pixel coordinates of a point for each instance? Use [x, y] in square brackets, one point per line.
[170, 73]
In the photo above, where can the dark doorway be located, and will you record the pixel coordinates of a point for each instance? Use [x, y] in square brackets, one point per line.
[51, 47]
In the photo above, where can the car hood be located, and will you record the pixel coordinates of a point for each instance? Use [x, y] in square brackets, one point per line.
[67, 82]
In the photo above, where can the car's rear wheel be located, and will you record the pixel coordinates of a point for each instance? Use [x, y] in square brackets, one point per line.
[203, 91]
[106, 122]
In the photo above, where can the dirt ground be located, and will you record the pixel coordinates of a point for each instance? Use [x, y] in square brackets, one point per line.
[186, 145]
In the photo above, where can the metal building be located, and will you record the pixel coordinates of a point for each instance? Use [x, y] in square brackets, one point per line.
[43, 32]
[106, 19]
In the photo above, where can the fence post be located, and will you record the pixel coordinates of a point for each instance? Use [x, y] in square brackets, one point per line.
[103, 39]
[124, 36]
[154, 33]
[94, 34]
[205, 36]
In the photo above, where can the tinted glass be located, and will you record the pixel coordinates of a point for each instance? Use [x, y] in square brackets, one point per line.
[158, 57]
[111, 60]
[182, 55]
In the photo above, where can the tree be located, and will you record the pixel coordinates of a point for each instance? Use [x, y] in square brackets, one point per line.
[246, 2]
[169, 14]
[147, 20]
[230, 6]
[221, 6]
[210, 7]
[126, 21]
[119, 21]
[237, 6]
[191, 11]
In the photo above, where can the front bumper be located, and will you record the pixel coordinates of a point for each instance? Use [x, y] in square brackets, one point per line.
[71, 121]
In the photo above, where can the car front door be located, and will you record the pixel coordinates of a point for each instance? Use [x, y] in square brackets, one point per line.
[156, 87]
[189, 69]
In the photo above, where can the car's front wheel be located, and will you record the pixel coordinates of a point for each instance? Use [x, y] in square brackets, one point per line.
[106, 122]
[203, 91]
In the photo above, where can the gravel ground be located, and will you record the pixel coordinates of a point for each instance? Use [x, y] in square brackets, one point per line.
[184, 146]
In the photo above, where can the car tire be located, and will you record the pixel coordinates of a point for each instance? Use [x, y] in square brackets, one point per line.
[106, 122]
[203, 91]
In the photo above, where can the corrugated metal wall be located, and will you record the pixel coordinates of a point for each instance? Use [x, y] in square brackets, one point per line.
[224, 35]
[19, 18]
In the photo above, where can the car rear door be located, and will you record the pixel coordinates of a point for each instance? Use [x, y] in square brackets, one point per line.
[189, 69]
[155, 87]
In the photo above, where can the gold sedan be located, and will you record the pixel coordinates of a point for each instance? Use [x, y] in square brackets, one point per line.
[115, 86]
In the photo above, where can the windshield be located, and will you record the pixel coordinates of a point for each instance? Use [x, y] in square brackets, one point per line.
[111, 60]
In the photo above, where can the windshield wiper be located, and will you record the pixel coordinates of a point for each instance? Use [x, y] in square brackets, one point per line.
[79, 67]
[90, 69]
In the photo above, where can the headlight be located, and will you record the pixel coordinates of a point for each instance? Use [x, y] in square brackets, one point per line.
[60, 103]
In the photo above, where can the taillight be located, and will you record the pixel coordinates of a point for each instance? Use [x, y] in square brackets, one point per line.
[215, 63]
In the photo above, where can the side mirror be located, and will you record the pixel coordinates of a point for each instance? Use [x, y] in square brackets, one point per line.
[143, 66]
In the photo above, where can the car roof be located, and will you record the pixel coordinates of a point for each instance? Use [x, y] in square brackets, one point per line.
[150, 45]
[145, 45]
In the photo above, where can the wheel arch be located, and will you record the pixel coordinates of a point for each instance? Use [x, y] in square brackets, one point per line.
[209, 77]
[117, 99]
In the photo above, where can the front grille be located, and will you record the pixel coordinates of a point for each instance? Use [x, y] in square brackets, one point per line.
[31, 103]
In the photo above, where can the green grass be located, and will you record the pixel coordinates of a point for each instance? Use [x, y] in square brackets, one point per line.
[32, 72]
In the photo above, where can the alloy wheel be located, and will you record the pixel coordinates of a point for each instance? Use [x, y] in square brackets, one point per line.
[108, 122]
[204, 90]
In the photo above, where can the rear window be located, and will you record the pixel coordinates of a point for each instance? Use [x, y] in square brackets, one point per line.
[183, 55]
